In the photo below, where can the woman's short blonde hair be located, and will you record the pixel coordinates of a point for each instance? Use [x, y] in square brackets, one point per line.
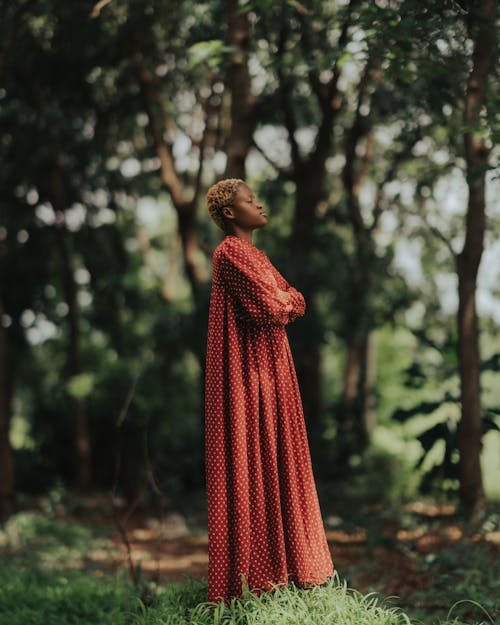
[219, 195]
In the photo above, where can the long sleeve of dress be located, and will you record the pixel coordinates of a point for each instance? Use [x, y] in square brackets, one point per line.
[252, 285]
[296, 298]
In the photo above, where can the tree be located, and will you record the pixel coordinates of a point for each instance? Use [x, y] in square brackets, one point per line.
[444, 88]
[314, 96]
[468, 260]
[243, 102]
[301, 65]
[143, 107]
[81, 437]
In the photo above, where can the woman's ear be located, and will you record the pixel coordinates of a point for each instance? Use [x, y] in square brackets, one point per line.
[227, 211]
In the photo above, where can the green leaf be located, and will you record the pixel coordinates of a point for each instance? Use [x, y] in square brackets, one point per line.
[490, 417]
[342, 60]
[492, 364]
[80, 386]
[425, 407]
[208, 52]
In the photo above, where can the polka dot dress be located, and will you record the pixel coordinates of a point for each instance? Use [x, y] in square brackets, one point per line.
[264, 519]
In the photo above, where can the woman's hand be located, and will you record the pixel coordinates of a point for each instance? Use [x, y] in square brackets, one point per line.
[284, 295]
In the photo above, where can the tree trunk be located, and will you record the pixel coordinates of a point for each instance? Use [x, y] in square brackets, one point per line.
[6, 455]
[308, 175]
[356, 415]
[243, 102]
[185, 209]
[309, 191]
[10, 32]
[309, 374]
[369, 411]
[81, 439]
[353, 403]
[358, 374]
[470, 427]
[351, 414]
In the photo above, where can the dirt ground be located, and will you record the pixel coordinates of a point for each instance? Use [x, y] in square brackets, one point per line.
[387, 559]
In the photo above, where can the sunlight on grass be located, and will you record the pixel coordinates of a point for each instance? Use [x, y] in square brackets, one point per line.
[38, 541]
[332, 603]
[42, 583]
[41, 599]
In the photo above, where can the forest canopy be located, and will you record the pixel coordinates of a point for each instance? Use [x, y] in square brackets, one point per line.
[369, 129]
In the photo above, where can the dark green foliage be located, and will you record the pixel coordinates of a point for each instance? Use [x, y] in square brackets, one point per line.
[417, 376]
[461, 571]
[72, 103]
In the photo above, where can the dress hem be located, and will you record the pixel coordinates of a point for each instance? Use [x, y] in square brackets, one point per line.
[277, 585]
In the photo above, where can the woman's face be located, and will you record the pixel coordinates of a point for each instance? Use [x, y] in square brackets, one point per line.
[245, 211]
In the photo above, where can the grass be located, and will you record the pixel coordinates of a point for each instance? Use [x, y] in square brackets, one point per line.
[464, 570]
[48, 578]
[36, 598]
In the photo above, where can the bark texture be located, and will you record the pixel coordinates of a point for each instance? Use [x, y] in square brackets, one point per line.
[476, 153]
[243, 102]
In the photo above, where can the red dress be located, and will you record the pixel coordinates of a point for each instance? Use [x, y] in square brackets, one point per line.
[264, 519]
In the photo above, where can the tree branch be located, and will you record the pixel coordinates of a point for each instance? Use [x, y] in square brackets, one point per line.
[327, 92]
[201, 160]
[329, 98]
[170, 179]
[398, 158]
[283, 173]
[285, 93]
[359, 129]
[435, 230]
[185, 209]
[96, 11]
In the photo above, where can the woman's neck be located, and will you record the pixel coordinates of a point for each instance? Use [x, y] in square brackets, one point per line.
[236, 231]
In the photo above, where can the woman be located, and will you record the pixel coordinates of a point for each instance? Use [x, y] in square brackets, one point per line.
[264, 519]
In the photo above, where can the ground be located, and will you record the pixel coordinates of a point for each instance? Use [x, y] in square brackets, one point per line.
[423, 553]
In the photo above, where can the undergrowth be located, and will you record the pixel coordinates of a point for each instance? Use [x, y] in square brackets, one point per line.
[45, 579]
